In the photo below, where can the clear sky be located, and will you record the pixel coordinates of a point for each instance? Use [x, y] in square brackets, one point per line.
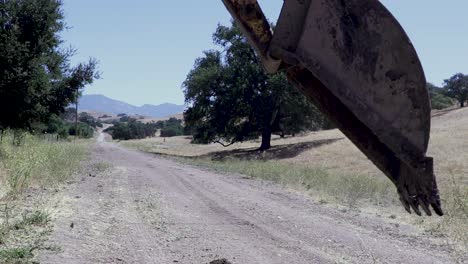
[147, 47]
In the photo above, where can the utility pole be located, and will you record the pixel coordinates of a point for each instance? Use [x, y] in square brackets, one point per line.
[76, 115]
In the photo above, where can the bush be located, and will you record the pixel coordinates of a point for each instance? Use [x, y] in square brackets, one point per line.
[83, 129]
[171, 128]
[131, 130]
[438, 99]
[169, 132]
[90, 120]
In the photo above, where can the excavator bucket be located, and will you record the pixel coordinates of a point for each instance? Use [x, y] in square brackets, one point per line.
[355, 62]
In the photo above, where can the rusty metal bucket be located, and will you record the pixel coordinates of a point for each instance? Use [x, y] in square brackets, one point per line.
[354, 60]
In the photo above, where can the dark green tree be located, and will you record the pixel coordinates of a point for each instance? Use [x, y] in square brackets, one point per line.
[438, 99]
[172, 127]
[89, 119]
[457, 87]
[132, 129]
[36, 79]
[232, 99]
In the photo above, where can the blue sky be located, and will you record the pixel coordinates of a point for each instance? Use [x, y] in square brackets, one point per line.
[147, 47]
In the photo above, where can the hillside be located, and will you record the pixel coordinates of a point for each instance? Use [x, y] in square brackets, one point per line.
[103, 104]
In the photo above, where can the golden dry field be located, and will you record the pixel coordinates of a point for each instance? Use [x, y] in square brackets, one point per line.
[332, 150]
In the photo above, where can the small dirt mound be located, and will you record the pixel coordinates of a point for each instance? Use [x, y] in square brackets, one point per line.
[220, 261]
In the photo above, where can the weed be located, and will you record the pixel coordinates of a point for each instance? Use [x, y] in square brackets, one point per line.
[3, 234]
[16, 255]
[455, 201]
[102, 166]
[345, 189]
[38, 162]
[33, 163]
[38, 218]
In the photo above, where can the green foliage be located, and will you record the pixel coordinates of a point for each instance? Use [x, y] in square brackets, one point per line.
[232, 99]
[82, 130]
[457, 87]
[90, 120]
[36, 79]
[170, 132]
[57, 125]
[62, 126]
[171, 128]
[125, 118]
[438, 99]
[132, 129]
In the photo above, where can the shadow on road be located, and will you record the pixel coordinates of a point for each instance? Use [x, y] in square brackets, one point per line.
[275, 152]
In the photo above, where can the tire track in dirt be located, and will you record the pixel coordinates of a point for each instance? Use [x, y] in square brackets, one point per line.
[152, 210]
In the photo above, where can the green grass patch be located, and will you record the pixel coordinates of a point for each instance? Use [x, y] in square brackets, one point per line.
[16, 255]
[346, 189]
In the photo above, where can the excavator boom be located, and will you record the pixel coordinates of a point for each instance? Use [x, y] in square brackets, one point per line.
[356, 63]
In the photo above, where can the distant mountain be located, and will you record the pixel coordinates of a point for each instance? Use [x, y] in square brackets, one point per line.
[101, 103]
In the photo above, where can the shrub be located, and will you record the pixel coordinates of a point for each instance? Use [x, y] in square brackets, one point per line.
[131, 130]
[438, 99]
[82, 130]
[169, 132]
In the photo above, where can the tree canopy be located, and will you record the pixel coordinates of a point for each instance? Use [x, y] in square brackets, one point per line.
[130, 128]
[36, 79]
[457, 88]
[232, 99]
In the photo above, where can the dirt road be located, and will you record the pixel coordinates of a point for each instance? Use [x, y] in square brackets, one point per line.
[146, 209]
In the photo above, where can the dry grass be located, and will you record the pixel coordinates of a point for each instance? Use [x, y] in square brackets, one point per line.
[38, 163]
[34, 167]
[340, 172]
[351, 190]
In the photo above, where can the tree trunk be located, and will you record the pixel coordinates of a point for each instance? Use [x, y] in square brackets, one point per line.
[266, 138]
[462, 104]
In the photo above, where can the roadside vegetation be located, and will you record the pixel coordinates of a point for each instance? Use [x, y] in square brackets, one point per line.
[37, 84]
[30, 173]
[353, 191]
[38, 162]
[348, 189]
